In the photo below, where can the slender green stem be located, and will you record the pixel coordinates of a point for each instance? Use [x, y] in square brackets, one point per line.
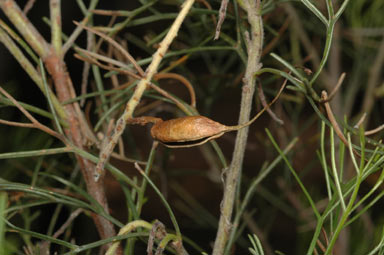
[324, 160]
[341, 9]
[330, 9]
[297, 178]
[148, 167]
[116, 172]
[166, 204]
[379, 248]
[346, 213]
[316, 235]
[39, 236]
[30, 108]
[55, 10]
[315, 11]
[290, 67]
[252, 189]
[88, 14]
[326, 52]
[35, 153]
[325, 167]
[299, 85]
[19, 40]
[335, 173]
[50, 103]
[25, 27]
[3, 212]
[30, 70]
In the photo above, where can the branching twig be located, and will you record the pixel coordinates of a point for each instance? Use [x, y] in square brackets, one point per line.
[77, 130]
[265, 104]
[134, 101]
[222, 14]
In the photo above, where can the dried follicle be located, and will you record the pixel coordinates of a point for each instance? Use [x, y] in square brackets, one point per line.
[191, 131]
[186, 129]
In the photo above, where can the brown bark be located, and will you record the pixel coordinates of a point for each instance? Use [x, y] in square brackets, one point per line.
[62, 81]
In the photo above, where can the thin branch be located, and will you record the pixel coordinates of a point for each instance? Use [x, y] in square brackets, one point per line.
[335, 89]
[25, 27]
[72, 38]
[35, 122]
[332, 119]
[140, 88]
[117, 46]
[265, 104]
[107, 60]
[17, 124]
[28, 6]
[117, 13]
[222, 14]
[361, 120]
[71, 218]
[374, 131]
[30, 70]
[86, 68]
[73, 215]
[255, 45]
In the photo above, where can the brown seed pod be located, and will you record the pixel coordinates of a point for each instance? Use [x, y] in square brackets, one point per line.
[186, 129]
[191, 131]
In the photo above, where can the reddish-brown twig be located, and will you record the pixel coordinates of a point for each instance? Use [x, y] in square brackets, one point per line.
[35, 123]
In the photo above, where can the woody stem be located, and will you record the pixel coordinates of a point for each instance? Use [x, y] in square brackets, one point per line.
[253, 9]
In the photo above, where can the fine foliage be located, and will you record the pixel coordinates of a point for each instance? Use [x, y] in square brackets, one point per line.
[115, 121]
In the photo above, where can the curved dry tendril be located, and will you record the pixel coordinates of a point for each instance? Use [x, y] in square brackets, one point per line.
[262, 111]
[183, 80]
